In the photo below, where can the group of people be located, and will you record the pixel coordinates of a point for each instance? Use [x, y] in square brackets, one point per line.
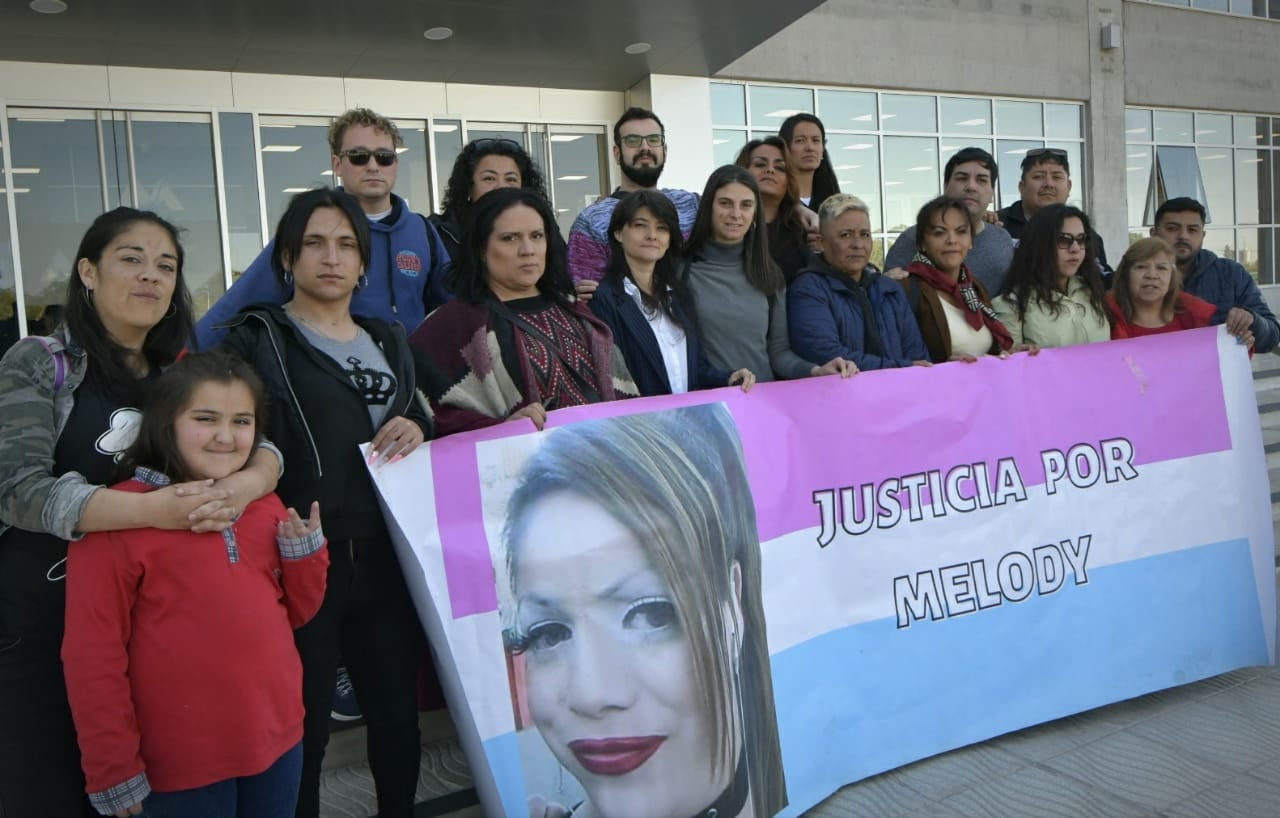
[132, 431]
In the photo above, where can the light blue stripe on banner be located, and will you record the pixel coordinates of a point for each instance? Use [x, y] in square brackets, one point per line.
[503, 754]
[870, 698]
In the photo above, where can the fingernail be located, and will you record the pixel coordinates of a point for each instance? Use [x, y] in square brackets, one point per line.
[373, 455]
[395, 459]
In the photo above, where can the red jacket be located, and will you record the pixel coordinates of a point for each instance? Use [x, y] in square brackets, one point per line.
[179, 655]
[1189, 313]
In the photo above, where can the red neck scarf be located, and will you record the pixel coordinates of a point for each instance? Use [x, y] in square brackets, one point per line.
[976, 311]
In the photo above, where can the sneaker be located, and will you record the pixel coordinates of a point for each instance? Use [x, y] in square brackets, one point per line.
[345, 706]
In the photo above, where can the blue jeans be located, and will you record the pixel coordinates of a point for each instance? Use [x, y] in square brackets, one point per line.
[272, 793]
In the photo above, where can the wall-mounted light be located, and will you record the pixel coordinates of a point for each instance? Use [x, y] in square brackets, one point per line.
[48, 6]
[1110, 36]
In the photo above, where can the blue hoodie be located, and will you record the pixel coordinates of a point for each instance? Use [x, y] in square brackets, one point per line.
[406, 278]
[1225, 284]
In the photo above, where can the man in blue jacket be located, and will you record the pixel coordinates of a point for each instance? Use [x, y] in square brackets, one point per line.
[1222, 282]
[404, 279]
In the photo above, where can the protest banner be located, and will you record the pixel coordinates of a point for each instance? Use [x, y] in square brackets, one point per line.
[731, 602]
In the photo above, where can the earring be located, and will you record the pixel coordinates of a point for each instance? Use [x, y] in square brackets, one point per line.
[87, 293]
[173, 309]
[362, 281]
[288, 278]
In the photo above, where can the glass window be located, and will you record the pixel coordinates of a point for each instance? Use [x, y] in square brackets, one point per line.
[1178, 174]
[576, 163]
[1252, 131]
[1253, 180]
[240, 189]
[1173, 126]
[446, 140]
[1219, 184]
[847, 110]
[965, 116]
[1075, 161]
[1018, 118]
[1138, 163]
[771, 104]
[1062, 120]
[725, 146]
[1211, 5]
[910, 178]
[856, 160]
[1221, 241]
[951, 145]
[61, 194]
[295, 157]
[516, 133]
[1213, 129]
[1009, 155]
[1137, 125]
[1249, 244]
[914, 113]
[728, 104]
[173, 159]
[118, 170]
[413, 177]
[1275, 125]
[9, 325]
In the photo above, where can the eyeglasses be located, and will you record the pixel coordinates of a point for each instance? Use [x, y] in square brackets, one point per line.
[635, 140]
[360, 156]
[481, 144]
[1036, 153]
[1065, 240]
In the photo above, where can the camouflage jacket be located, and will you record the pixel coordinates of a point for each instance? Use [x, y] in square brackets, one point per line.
[32, 416]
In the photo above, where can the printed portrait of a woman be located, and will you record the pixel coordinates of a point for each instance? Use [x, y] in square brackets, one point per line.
[634, 624]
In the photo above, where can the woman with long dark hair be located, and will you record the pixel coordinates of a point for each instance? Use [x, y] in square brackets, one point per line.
[770, 162]
[482, 166]
[739, 293]
[69, 408]
[647, 306]
[336, 381]
[806, 137]
[1054, 294]
[515, 342]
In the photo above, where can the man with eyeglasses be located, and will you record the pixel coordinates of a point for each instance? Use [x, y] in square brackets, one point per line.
[405, 275]
[1221, 281]
[640, 149]
[1046, 180]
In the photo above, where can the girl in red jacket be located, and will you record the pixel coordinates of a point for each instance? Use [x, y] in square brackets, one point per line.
[183, 678]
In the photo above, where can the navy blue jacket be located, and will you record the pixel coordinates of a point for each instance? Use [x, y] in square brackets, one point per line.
[826, 320]
[633, 336]
[1225, 284]
[405, 275]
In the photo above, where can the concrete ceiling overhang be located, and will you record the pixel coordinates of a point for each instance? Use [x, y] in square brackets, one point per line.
[547, 43]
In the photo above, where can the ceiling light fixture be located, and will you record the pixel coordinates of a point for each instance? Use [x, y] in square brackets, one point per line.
[48, 6]
[438, 33]
[638, 48]
[281, 148]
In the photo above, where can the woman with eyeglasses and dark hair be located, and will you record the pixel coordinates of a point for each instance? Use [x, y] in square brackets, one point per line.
[739, 294]
[647, 306]
[515, 342]
[1054, 295]
[407, 258]
[807, 140]
[482, 166]
[69, 408]
[335, 381]
[769, 161]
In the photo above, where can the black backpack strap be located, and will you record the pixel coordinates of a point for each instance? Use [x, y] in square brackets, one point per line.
[431, 245]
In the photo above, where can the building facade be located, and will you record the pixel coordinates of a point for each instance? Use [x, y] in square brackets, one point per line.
[1149, 100]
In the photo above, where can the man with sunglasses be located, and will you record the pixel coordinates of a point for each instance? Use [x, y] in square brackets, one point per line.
[1221, 281]
[404, 280]
[1046, 180]
[640, 149]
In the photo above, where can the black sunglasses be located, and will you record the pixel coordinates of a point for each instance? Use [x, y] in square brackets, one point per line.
[1036, 153]
[360, 156]
[481, 144]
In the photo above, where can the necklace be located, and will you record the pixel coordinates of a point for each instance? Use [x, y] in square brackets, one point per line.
[320, 330]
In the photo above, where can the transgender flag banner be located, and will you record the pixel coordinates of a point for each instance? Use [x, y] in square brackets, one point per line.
[733, 604]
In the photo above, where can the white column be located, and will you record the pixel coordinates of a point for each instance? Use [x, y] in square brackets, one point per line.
[1107, 203]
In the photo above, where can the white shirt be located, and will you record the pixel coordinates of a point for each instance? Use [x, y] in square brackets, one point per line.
[671, 340]
[964, 338]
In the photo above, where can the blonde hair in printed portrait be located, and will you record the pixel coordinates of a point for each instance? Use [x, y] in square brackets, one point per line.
[630, 594]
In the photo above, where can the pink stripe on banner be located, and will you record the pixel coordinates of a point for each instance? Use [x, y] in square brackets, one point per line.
[1162, 393]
